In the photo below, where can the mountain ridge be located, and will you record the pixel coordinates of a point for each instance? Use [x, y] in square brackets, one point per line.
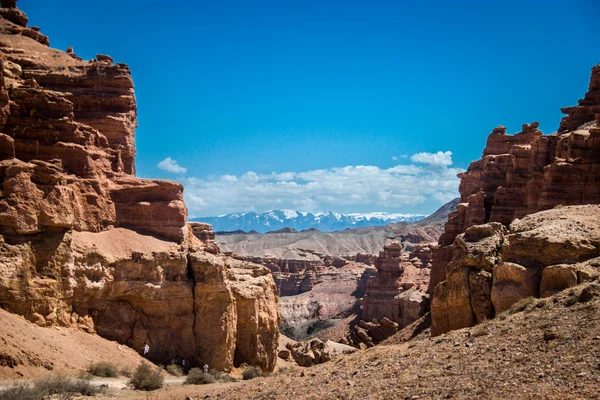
[274, 220]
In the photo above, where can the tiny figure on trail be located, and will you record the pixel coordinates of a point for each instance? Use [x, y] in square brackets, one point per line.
[205, 368]
[146, 349]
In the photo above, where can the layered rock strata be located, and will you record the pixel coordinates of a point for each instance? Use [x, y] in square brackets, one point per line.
[292, 277]
[518, 175]
[528, 172]
[398, 291]
[334, 297]
[85, 243]
[494, 267]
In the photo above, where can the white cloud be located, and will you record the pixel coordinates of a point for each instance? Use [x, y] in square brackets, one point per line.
[350, 187]
[439, 158]
[394, 158]
[170, 165]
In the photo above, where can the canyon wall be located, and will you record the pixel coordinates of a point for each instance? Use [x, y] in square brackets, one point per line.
[398, 291]
[517, 175]
[85, 243]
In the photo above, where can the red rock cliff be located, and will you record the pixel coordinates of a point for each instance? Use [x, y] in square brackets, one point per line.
[84, 242]
[519, 175]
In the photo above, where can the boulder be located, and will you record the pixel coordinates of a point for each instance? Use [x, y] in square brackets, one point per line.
[314, 352]
[513, 282]
[539, 255]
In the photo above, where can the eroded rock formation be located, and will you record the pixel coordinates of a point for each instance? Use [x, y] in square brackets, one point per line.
[307, 354]
[517, 175]
[398, 291]
[495, 267]
[334, 297]
[85, 243]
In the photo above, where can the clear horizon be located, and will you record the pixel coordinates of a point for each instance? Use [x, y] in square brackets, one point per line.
[336, 106]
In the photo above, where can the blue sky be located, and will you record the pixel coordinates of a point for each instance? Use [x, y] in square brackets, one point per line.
[348, 106]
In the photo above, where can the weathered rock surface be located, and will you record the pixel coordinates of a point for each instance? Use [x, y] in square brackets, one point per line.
[494, 267]
[85, 243]
[315, 352]
[517, 176]
[334, 296]
[529, 172]
[398, 291]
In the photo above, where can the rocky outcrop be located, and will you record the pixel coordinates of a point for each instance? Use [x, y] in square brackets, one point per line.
[334, 297]
[528, 172]
[494, 267]
[398, 291]
[292, 277]
[367, 334]
[85, 243]
[307, 354]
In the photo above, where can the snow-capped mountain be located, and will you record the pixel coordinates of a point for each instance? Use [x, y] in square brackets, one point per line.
[278, 219]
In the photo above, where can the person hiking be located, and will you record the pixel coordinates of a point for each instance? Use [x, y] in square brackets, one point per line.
[146, 349]
[205, 368]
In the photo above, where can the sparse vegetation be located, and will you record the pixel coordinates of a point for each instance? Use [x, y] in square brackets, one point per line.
[175, 369]
[103, 369]
[147, 378]
[481, 329]
[85, 375]
[197, 377]
[251, 372]
[521, 305]
[571, 301]
[126, 371]
[52, 387]
[223, 377]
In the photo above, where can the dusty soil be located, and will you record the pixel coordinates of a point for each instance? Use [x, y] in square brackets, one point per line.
[27, 350]
[546, 349]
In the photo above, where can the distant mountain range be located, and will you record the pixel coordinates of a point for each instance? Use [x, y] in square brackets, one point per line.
[279, 219]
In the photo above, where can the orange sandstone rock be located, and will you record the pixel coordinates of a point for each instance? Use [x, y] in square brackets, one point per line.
[85, 243]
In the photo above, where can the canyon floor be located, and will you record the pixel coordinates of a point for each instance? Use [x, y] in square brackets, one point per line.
[540, 349]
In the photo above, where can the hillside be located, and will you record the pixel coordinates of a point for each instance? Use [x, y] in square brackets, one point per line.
[540, 349]
[274, 220]
[313, 245]
[28, 350]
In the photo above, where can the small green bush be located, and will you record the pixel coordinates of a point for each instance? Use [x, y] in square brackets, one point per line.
[175, 369]
[197, 377]
[54, 387]
[103, 369]
[147, 378]
[251, 372]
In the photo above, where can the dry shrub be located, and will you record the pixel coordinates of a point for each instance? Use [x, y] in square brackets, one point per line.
[521, 305]
[103, 369]
[147, 378]
[251, 372]
[197, 377]
[481, 330]
[175, 369]
[223, 377]
[54, 387]
[126, 371]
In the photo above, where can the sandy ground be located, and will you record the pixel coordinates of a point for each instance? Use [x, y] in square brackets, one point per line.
[37, 351]
[542, 349]
[547, 349]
